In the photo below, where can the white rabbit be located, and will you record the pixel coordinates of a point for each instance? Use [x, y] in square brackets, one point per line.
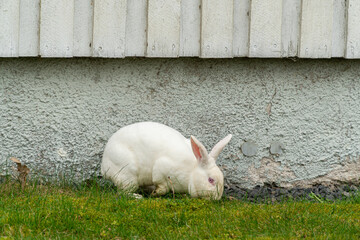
[149, 154]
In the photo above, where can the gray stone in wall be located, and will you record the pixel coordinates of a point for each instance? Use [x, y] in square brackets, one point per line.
[276, 148]
[249, 148]
[57, 114]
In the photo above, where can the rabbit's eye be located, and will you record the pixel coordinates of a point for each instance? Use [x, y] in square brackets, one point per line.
[211, 180]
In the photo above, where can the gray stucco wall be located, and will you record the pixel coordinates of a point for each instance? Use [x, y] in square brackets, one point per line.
[57, 114]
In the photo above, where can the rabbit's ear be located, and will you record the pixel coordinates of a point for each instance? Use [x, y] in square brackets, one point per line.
[199, 151]
[219, 147]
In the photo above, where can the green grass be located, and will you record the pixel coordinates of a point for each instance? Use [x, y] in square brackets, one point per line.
[65, 212]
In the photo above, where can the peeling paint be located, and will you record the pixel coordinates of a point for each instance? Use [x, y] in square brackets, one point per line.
[347, 172]
[270, 171]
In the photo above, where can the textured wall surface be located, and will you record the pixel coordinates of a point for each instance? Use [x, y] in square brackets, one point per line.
[292, 122]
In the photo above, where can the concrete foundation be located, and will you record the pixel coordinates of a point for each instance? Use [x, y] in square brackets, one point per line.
[292, 122]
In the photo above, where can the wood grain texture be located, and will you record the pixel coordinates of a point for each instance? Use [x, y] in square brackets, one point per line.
[353, 30]
[9, 28]
[217, 28]
[316, 29]
[173, 28]
[109, 28]
[56, 28]
[190, 28]
[339, 29]
[136, 22]
[241, 28]
[29, 28]
[83, 27]
[290, 29]
[163, 39]
[265, 28]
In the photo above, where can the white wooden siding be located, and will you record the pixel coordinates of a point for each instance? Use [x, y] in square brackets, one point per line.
[290, 27]
[339, 29]
[217, 28]
[109, 28]
[265, 28]
[29, 28]
[9, 28]
[163, 28]
[190, 28]
[316, 29]
[83, 27]
[180, 28]
[241, 28]
[136, 23]
[56, 28]
[353, 30]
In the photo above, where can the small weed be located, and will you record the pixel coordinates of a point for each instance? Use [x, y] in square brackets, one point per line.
[316, 197]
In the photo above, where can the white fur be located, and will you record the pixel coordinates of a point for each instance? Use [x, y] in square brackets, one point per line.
[149, 154]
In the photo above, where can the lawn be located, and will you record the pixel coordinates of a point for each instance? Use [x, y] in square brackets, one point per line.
[92, 212]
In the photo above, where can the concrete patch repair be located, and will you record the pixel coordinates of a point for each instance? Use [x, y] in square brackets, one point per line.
[294, 124]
